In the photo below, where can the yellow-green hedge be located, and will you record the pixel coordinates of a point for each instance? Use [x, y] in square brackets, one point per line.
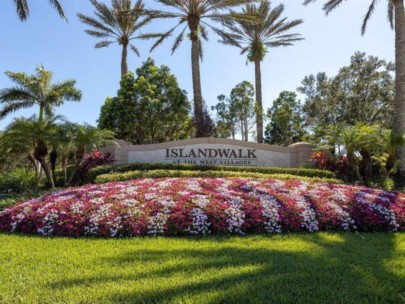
[105, 178]
[302, 172]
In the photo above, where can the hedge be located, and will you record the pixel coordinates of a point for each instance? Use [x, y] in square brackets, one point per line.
[105, 178]
[302, 172]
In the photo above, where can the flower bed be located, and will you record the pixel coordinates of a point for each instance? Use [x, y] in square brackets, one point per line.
[197, 206]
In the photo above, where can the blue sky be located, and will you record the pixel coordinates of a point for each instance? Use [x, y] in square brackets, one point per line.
[65, 49]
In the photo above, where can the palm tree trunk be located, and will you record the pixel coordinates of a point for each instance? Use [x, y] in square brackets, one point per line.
[399, 125]
[78, 159]
[195, 64]
[124, 64]
[48, 173]
[41, 113]
[259, 101]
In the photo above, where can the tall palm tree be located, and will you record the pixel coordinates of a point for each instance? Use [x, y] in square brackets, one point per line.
[38, 90]
[254, 38]
[195, 15]
[396, 17]
[23, 10]
[118, 24]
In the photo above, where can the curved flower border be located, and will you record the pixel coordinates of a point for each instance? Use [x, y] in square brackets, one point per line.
[201, 206]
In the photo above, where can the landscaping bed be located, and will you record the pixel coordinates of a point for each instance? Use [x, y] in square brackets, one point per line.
[202, 206]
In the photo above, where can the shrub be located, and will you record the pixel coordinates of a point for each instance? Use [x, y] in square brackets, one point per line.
[18, 181]
[92, 175]
[323, 161]
[90, 161]
[105, 178]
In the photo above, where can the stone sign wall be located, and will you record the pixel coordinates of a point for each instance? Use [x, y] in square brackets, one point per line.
[212, 151]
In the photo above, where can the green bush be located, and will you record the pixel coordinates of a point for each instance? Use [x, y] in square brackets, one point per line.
[60, 176]
[302, 172]
[105, 178]
[18, 181]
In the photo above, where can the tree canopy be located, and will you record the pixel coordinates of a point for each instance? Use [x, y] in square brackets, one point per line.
[286, 125]
[362, 92]
[150, 108]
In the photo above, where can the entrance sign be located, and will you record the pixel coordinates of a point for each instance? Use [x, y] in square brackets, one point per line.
[213, 151]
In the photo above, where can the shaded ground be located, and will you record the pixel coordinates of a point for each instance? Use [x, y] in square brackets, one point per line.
[299, 268]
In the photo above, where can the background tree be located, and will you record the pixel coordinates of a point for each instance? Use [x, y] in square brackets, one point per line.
[254, 38]
[236, 114]
[285, 126]
[118, 24]
[362, 92]
[23, 10]
[225, 118]
[396, 17]
[195, 16]
[38, 90]
[118, 113]
[208, 122]
[149, 109]
[243, 107]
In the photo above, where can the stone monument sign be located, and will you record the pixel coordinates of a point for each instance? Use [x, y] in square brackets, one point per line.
[212, 151]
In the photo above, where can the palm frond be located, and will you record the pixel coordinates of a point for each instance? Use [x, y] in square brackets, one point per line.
[370, 12]
[103, 43]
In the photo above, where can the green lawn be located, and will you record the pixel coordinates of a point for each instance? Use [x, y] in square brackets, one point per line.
[299, 268]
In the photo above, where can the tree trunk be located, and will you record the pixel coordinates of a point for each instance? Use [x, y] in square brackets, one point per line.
[33, 161]
[78, 159]
[48, 173]
[124, 64]
[53, 157]
[65, 162]
[41, 113]
[259, 102]
[40, 153]
[246, 129]
[195, 64]
[399, 125]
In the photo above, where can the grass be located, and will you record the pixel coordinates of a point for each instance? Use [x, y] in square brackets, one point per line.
[298, 268]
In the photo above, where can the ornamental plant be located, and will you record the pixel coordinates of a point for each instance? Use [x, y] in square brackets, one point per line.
[90, 161]
[202, 206]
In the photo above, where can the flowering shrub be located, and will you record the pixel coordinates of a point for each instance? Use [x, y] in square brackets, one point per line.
[197, 206]
[90, 161]
[322, 160]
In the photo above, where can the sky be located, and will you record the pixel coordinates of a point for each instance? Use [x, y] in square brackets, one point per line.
[65, 49]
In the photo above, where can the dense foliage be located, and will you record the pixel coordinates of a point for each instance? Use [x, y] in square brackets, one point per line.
[302, 172]
[362, 92]
[202, 206]
[285, 126]
[150, 108]
[105, 178]
[236, 114]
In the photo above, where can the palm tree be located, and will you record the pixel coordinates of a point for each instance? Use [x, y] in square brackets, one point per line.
[194, 16]
[38, 90]
[396, 17]
[23, 9]
[120, 24]
[33, 137]
[254, 38]
[86, 138]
